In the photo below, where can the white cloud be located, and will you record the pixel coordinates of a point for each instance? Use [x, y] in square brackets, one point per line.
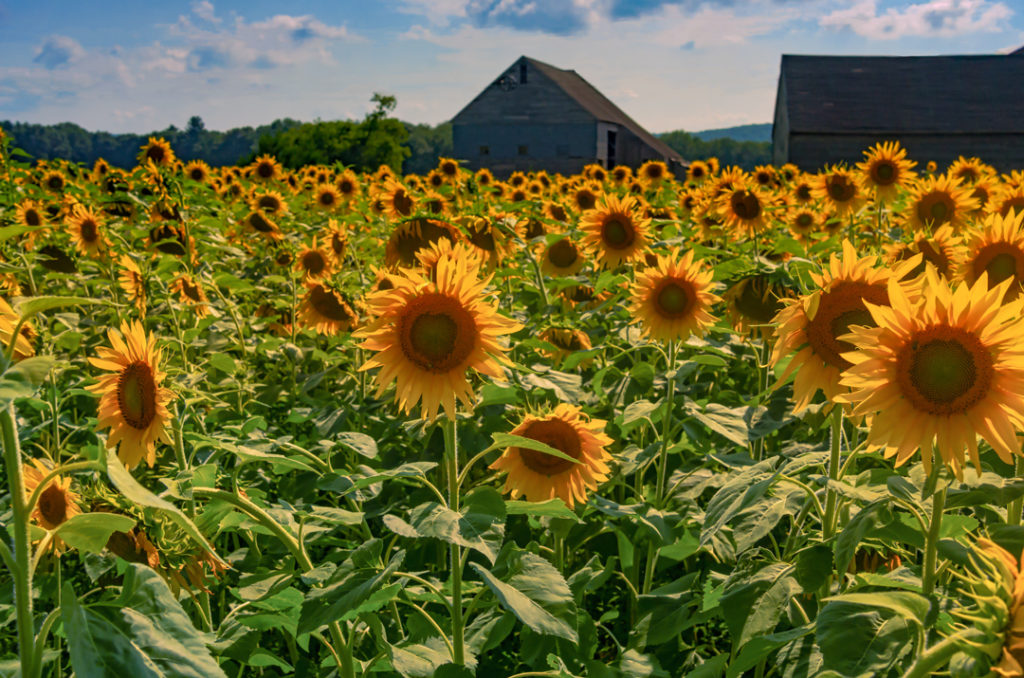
[204, 10]
[936, 18]
[58, 51]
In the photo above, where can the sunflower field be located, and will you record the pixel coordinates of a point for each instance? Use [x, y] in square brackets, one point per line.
[270, 422]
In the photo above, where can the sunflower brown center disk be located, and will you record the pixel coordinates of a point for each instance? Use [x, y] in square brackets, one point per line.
[563, 253]
[944, 370]
[1001, 260]
[674, 298]
[90, 232]
[935, 208]
[55, 183]
[554, 433]
[437, 333]
[197, 175]
[191, 291]
[884, 173]
[314, 262]
[617, 233]
[155, 153]
[745, 205]
[53, 504]
[804, 221]
[268, 203]
[402, 202]
[586, 200]
[346, 187]
[33, 218]
[838, 310]
[803, 193]
[265, 170]
[136, 395]
[328, 305]
[326, 198]
[841, 189]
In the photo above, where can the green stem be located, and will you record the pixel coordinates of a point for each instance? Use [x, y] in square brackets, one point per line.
[670, 379]
[931, 545]
[540, 277]
[451, 447]
[939, 654]
[831, 497]
[1013, 511]
[22, 546]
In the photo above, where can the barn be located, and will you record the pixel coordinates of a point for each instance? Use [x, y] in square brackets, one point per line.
[535, 116]
[829, 109]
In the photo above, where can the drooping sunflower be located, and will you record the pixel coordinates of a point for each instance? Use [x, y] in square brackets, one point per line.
[753, 301]
[996, 249]
[86, 230]
[939, 200]
[409, 237]
[324, 310]
[260, 223]
[158, 152]
[265, 168]
[838, 187]
[566, 340]
[100, 169]
[539, 476]
[133, 405]
[562, 257]
[615, 230]
[131, 281]
[810, 326]
[190, 292]
[314, 261]
[427, 334]
[336, 235]
[671, 299]
[57, 502]
[886, 169]
[942, 368]
[397, 200]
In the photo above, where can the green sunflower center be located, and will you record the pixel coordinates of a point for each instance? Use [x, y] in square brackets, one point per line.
[136, 395]
[617, 234]
[943, 370]
[674, 299]
[439, 333]
[1001, 267]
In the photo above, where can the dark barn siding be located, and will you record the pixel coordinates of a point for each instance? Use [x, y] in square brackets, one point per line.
[562, 148]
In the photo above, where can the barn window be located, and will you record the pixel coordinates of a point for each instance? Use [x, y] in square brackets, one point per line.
[522, 74]
[485, 150]
[523, 149]
[562, 150]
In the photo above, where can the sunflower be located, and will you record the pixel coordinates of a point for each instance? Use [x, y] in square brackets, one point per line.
[485, 235]
[133, 405]
[409, 237]
[803, 189]
[539, 476]
[265, 168]
[996, 249]
[324, 310]
[430, 257]
[886, 169]
[260, 223]
[57, 502]
[85, 227]
[698, 172]
[653, 172]
[156, 151]
[803, 222]
[671, 298]
[198, 171]
[566, 341]
[270, 203]
[484, 177]
[742, 208]
[396, 199]
[810, 326]
[54, 181]
[586, 197]
[753, 301]
[190, 292]
[326, 197]
[939, 200]
[347, 184]
[426, 334]
[941, 368]
[941, 250]
[8, 321]
[448, 167]
[130, 280]
[969, 170]
[100, 169]
[839, 188]
[764, 176]
[562, 257]
[1007, 199]
[615, 230]
[314, 261]
[621, 175]
[337, 236]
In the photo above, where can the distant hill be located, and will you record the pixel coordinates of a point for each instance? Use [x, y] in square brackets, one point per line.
[759, 132]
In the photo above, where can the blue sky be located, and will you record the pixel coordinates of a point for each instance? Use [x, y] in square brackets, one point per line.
[138, 66]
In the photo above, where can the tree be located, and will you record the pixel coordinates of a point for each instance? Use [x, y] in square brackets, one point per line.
[195, 126]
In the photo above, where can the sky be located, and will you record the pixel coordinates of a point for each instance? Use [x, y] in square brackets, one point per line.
[136, 66]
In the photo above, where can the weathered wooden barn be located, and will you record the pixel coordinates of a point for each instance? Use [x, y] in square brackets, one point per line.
[535, 116]
[829, 109]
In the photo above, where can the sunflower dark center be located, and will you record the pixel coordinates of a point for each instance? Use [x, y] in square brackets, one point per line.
[617, 233]
[1001, 267]
[554, 433]
[758, 301]
[885, 173]
[674, 299]
[90, 230]
[803, 193]
[563, 253]
[402, 202]
[745, 205]
[346, 186]
[191, 291]
[944, 370]
[326, 198]
[197, 174]
[804, 220]
[53, 504]
[269, 203]
[841, 188]
[33, 218]
[260, 223]
[839, 309]
[935, 208]
[136, 395]
[55, 182]
[265, 170]
[586, 200]
[156, 154]
[314, 262]
[327, 304]
[439, 333]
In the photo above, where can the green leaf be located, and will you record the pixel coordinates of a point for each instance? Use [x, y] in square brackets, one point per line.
[761, 647]
[533, 591]
[813, 566]
[35, 305]
[349, 594]
[23, 378]
[479, 525]
[754, 602]
[134, 492]
[223, 362]
[8, 232]
[913, 606]
[553, 508]
[97, 647]
[503, 440]
[857, 640]
[846, 543]
[90, 531]
[360, 442]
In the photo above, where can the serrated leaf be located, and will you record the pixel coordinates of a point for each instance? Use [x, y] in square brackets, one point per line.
[360, 442]
[505, 440]
[479, 524]
[347, 596]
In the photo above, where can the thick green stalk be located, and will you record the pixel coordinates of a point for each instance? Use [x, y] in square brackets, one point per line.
[931, 545]
[451, 449]
[938, 655]
[22, 551]
[666, 429]
[1013, 511]
[831, 498]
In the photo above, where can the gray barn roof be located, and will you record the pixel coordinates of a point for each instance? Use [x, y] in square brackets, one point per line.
[936, 94]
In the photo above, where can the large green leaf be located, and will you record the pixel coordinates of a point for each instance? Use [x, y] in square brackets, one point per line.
[508, 440]
[857, 640]
[36, 305]
[479, 524]
[755, 599]
[866, 519]
[533, 590]
[21, 379]
[349, 594]
[90, 531]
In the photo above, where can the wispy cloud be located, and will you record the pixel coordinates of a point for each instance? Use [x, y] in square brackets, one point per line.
[937, 18]
[58, 51]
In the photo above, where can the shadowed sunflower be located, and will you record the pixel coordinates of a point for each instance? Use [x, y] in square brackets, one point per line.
[562, 257]
[615, 230]
[396, 199]
[753, 301]
[429, 257]
[57, 502]
[409, 237]
[314, 261]
[539, 476]
[130, 280]
[939, 200]
[886, 169]
[191, 293]
[838, 188]
[261, 223]
[427, 334]
[996, 249]
[325, 310]
[337, 237]
[810, 326]
[8, 321]
[1007, 199]
[969, 170]
[671, 299]
[85, 228]
[943, 369]
[133, 405]
[158, 152]
[566, 341]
